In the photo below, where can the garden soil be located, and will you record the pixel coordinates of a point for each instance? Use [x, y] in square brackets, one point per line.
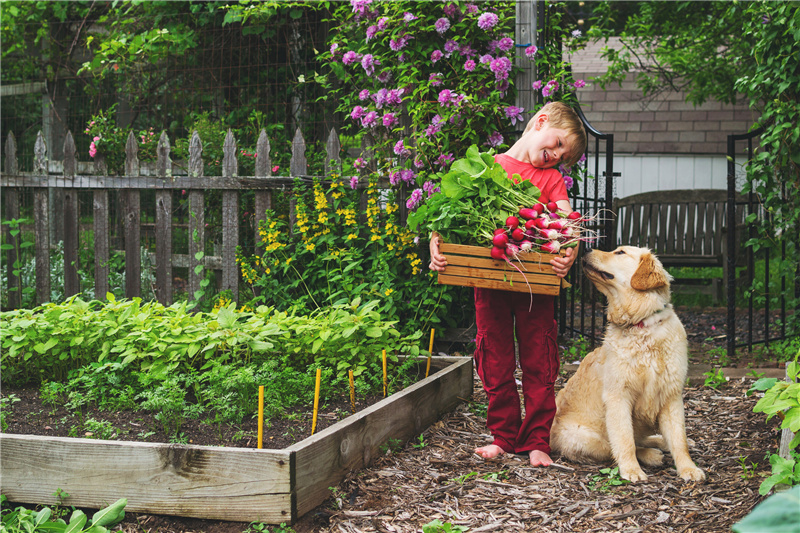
[438, 477]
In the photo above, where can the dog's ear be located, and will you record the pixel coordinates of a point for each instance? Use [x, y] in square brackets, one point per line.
[649, 275]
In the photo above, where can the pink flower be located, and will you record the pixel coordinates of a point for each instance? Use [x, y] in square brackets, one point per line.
[364, 94]
[389, 120]
[505, 44]
[400, 149]
[414, 199]
[514, 114]
[275, 169]
[92, 150]
[436, 55]
[568, 182]
[354, 182]
[495, 139]
[531, 51]
[579, 84]
[350, 57]
[96, 139]
[369, 119]
[469, 65]
[487, 21]
[536, 85]
[357, 112]
[444, 97]
[442, 25]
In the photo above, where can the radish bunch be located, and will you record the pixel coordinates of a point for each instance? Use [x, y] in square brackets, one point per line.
[540, 228]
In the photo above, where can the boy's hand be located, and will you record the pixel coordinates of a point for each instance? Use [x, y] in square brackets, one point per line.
[561, 265]
[438, 261]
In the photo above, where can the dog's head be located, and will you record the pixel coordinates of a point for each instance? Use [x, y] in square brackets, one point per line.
[633, 280]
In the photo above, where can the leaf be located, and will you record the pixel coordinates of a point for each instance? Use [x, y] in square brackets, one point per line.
[76, 522]
[111, 514]
[374, 332]
[778, 513]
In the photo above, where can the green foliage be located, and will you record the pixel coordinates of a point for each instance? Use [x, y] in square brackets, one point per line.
[715, 378]
[108, 141]
[6, 403]
[19, 244]
[747, 49]
[780, 513]
[391, 446]
[782, 398]
[23, 520]
[335, 257]
[476, 198]
[437, 526]
[606, 479]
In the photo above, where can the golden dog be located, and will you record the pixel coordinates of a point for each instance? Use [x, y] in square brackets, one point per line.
[625, 402]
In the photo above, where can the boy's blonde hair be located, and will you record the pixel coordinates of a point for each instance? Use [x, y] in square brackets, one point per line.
[563, 117]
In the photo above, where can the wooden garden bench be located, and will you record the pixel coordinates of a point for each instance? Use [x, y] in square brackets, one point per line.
[685, 228]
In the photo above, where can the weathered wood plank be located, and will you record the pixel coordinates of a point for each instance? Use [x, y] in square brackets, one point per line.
[176, 183]
[41, 225]
[132, 228]
[230, 220]
[197, 222]
[322, 460]
[196, 481]
[333, 161]
[131, 156]
[100, 224]
[164, 225]
[72, 283]
[263, 198]
[12, 213]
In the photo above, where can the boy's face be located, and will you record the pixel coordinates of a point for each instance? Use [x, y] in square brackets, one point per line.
[547, 146]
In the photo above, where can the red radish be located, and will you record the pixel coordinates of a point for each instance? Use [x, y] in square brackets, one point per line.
[500, 240]
[570, 231]
[555, 216]
[574, 215]
[541, 222]
[549, 234]
[528, 213]
[530, 223]
[498, 253]
[556, 224]
[512, 249]
[552, 207]
[526, 246]
[517, 234]
[498, 231]
[512, 222]
[539, 208]
[552, 247]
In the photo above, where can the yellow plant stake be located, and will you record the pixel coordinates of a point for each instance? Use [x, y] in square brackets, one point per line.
[430, 352]
[352, 391]
[384, 373]
[260, 416]
[316, 401]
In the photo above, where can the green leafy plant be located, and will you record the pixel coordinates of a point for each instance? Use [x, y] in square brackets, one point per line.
[781, 399]
[496, 476]
[23, 520]
[748, 471]
[464, 478]
[777, 514]
[606, 479]
[420, 442]
[391, 446]
[437, 526]
[6, 403]
[15, 232]
[715, 378]
[99, 429]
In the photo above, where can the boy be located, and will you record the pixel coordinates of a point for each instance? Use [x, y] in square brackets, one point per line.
[553, 136]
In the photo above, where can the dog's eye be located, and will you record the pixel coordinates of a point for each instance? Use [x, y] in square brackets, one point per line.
[619, 252]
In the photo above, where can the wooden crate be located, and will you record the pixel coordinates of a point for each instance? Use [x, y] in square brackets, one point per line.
[237, 484]
[473, 266]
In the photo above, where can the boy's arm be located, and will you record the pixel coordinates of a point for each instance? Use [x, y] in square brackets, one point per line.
[561, 265]
[438, 261]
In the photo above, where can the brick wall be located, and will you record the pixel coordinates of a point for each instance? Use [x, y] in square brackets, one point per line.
[665, 124]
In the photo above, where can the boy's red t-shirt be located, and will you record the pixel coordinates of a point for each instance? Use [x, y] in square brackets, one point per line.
[549, 180]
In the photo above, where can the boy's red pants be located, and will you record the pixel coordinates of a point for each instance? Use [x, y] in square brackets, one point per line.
[499, 314]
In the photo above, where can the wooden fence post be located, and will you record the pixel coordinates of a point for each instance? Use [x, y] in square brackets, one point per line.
[72, 284]
[263, 197]
[197, 221]
[164, 225]
[230, 219]
[12, 213]
[41, 217]
[297, 167]
[101, 226]
[525, 35]
[333, 163]
[131, 220]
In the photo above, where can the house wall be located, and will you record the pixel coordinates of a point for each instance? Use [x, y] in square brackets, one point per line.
[660, 142]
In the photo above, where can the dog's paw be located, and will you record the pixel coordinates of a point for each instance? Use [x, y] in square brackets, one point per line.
[632, 474]
[692, 474]
[650, 456]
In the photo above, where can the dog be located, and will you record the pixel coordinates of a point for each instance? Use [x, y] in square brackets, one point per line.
[625, 402]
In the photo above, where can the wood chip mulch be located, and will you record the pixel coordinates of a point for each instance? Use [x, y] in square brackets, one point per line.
[445, 480]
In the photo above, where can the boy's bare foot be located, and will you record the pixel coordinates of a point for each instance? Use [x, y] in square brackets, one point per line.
[489, 452]
[539, 458]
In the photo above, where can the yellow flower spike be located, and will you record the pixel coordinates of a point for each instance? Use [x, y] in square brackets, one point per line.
[389, 291]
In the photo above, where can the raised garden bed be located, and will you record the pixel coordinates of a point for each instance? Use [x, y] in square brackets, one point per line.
[237, 484]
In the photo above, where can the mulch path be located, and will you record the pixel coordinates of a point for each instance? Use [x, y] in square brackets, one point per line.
[403, 490]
